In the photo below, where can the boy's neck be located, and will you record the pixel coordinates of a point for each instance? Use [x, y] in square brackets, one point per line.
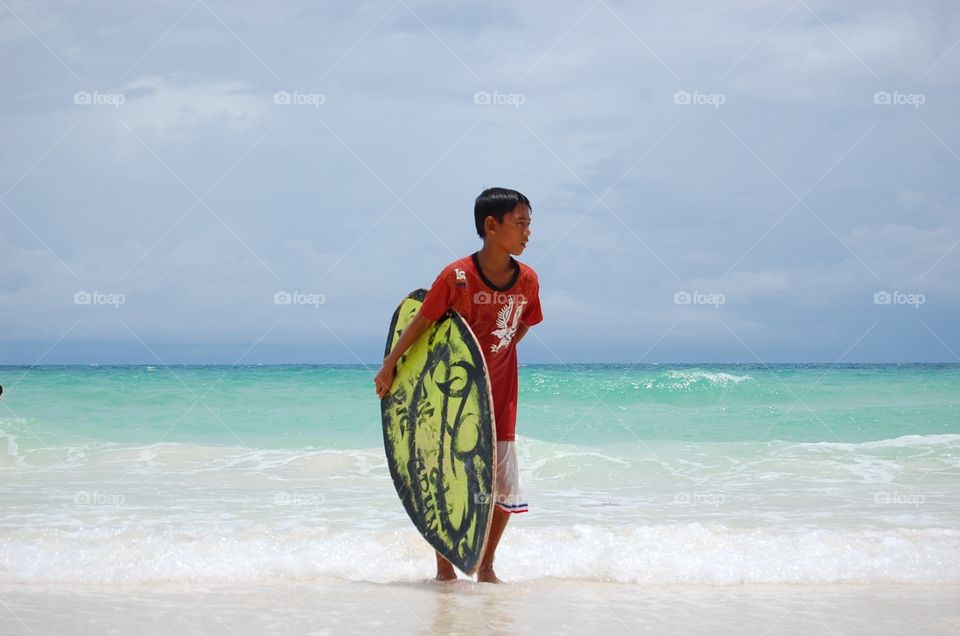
[494, 259]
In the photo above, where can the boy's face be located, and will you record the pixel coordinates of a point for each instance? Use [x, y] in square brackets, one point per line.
[513, 233]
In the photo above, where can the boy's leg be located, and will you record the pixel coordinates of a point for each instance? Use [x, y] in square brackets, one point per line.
[445, 571]
[508, 491]
[485, 573]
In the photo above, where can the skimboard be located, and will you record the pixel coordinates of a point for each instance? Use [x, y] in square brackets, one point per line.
[439, 434]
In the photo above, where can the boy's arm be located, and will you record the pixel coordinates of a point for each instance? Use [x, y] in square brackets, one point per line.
[414, 330]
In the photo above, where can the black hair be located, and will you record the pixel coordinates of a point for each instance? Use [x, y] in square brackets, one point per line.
[496, 202]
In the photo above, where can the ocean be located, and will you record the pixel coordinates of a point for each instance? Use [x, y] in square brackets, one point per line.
[717, 475]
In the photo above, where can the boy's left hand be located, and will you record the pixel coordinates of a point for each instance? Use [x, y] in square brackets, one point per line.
[384, 379]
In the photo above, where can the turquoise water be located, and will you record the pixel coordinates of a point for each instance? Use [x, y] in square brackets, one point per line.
[335, 407]
[708, 474]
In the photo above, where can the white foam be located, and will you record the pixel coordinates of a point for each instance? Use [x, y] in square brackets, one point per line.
[172, 457]
[13, 451]
[714, 378]
[664, 554]
[904, 441]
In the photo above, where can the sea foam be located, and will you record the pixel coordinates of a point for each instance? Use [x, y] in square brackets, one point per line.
[665, 554]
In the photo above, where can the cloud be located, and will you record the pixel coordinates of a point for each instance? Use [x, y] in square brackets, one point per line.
[178, 107]
[365, 196]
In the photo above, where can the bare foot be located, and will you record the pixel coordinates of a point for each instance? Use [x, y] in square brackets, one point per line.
[487, 575]
[445, 571]
[446, 576]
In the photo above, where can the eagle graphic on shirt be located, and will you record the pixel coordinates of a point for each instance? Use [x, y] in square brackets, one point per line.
[507, 322]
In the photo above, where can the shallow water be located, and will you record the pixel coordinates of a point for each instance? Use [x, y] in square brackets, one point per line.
[676, 475]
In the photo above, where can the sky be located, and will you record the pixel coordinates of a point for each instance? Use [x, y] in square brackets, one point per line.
[205, 181]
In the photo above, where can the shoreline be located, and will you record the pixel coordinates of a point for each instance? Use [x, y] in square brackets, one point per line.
[427, 607]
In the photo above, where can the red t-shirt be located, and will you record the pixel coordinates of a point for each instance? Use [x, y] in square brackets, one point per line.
[494, 314]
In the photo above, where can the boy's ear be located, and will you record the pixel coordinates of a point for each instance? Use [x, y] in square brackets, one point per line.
[489, 225]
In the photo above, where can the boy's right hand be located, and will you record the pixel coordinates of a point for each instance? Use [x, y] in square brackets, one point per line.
[384, 378]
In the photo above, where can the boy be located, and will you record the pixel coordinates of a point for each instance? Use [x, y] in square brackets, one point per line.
[500, 299]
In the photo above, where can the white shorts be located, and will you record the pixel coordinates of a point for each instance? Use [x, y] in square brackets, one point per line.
[509, 495]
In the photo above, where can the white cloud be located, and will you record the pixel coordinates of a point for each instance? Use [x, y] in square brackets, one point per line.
[399, 99]
[180, 107]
